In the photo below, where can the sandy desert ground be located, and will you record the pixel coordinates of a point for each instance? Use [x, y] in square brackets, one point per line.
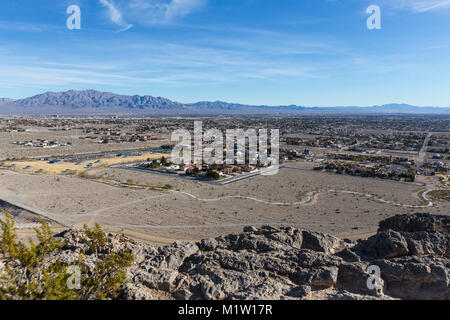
[342, 205]
[9, 150]
[61, 167]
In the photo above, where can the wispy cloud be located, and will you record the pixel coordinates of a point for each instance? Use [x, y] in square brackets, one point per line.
[436, 47]
[27, 27]
[422, 6]
[158, 63]
[116, 15]
[163, 11]
[419, 6]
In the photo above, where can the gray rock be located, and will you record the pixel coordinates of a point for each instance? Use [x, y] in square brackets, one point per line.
[321, 242]
[250, 229]
[136, 292]
[426, 243]
[412, 252]
[417, 222]
[348, 255]
[208, 245]
[170, 257]
[264, 240]
[426, 277]
[345, 295]
[384, 245]
[159, 279]
[268, 289]
[308, 258]
[300, 291]
[353, 277]
[322, 277]
[211, 290]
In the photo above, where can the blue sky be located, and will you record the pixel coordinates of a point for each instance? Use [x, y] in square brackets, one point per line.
[274, 52]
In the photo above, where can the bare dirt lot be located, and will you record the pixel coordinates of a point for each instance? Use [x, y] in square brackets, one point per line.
[194, 210]
[54, 168]
[10, 150]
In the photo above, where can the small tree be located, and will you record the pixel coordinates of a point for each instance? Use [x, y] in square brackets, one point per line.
[25, 265]
[110, 268]
[35, 271]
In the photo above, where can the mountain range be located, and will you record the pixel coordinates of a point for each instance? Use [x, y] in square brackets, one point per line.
[92, 102]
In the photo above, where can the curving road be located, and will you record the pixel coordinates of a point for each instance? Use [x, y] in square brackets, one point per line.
[423, 151]
[310, 195]
[70, 220]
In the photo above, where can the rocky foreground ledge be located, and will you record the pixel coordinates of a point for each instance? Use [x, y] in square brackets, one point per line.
[411, 251]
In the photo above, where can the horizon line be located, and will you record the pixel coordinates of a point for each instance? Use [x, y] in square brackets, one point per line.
[244, 104]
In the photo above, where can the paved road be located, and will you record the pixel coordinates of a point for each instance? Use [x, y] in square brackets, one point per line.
[307, 200]
[423, 151]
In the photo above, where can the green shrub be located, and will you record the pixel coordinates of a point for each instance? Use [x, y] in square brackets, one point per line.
[30, 273]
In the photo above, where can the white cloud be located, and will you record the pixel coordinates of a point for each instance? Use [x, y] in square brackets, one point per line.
[116, 15]
[163, 11]
[419, 6]
[422, 6]
[159, 63]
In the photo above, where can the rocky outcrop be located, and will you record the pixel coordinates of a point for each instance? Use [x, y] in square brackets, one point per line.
[416, 223]
[411, 252]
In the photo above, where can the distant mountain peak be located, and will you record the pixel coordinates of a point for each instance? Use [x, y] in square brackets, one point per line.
[95, 99]
[97, 102]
